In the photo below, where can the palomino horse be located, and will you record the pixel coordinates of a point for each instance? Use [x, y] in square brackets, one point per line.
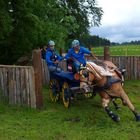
[107, 82]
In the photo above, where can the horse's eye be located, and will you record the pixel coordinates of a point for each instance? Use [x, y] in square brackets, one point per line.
[85, 74]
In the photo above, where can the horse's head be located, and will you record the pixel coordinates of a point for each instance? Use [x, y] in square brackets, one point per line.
[93, 75]
[88, 75]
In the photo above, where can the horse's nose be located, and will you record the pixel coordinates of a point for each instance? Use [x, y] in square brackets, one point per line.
[86, 89]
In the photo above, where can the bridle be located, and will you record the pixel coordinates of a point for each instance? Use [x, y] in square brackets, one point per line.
[87, 81]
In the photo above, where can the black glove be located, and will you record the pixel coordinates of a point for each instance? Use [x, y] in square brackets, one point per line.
[70, 59]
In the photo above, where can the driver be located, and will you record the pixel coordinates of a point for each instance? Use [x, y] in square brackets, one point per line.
[76, 55]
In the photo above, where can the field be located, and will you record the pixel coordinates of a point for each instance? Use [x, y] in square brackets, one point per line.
[129, 50]
[84, 120]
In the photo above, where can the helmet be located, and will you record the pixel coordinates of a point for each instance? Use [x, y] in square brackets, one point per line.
[75, 43]
[51, 43]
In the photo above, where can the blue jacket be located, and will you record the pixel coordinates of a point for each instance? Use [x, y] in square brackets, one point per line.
[52, 56]
[78, 56]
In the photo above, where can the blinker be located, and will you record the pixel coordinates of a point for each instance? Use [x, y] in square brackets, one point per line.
[85, 74]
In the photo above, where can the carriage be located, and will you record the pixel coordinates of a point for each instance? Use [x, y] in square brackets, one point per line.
[65, 86]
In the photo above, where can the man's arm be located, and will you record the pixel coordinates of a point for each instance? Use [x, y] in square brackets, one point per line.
[48, 60]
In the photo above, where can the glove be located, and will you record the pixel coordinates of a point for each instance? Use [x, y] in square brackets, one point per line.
[70, 59]
[56, 62]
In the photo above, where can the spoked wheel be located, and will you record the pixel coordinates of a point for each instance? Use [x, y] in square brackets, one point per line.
[54, 90]
[66, 94]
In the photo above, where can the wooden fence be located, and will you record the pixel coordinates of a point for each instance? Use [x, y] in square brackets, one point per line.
[17, 83]
[130, 63]
[23, 84]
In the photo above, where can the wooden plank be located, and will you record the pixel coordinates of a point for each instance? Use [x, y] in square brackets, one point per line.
[132, 68]
[135, 68]
[23, 86]
[14, 85]
[2, 81]
[27, 87]
[138, 64]
[32, 88]
[18, 86]
[11, 86]
[47, 74]
[127, 71]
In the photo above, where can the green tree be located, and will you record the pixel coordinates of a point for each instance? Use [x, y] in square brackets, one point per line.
[28, 24]
[5, 30]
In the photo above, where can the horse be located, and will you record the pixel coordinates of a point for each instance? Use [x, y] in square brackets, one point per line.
[107, 81]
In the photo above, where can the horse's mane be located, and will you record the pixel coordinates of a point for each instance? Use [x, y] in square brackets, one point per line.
[101, 69]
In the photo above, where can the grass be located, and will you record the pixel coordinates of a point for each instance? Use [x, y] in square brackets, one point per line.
[128, 50]
[84, 120]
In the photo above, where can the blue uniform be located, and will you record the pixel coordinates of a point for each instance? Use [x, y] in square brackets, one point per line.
[51, 57]
[78, 56]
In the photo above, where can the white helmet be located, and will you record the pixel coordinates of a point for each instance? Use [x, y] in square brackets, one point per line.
[75, 43]
[51, 43]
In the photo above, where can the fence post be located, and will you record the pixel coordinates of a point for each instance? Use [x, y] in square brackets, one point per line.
[106, 53]
[38, 77]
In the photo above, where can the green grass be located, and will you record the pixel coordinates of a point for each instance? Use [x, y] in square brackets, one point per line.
[129, 50]
[84, 120]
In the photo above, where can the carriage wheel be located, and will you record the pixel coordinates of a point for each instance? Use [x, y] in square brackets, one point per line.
[54, 90]
[65, 94]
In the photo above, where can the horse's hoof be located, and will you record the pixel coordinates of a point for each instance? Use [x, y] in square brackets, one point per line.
[115, 118]
[118, 107]
[137, 117]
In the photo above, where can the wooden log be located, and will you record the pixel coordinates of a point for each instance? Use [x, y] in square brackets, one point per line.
[106, 53]
[32, 88]
[38, 77]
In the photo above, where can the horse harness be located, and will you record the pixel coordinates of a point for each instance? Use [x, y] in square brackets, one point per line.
[110, 80]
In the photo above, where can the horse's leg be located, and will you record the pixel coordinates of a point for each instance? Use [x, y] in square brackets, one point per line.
[115, 104]
[127, 101]
[105, 102]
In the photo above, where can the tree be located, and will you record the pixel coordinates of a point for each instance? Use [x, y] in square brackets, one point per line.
[5, 30]
[84, 13]
[28, 24]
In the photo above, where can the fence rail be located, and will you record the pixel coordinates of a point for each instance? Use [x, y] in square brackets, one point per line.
[18, 84]
[130, 63]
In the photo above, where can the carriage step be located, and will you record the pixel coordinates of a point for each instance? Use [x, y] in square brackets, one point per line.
[76, 90]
